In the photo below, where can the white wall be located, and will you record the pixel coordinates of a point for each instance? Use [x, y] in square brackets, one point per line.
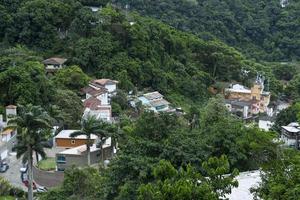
[111, 87]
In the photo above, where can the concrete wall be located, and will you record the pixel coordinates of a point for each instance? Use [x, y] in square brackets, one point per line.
[48, 179]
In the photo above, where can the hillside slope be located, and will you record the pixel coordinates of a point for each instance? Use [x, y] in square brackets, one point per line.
[261, 29]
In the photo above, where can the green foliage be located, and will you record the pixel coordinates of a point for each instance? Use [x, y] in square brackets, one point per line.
[6, 189]
[70, 106]
[24, 84]
[287, 116]
[280, 179]
[72, 78]
[189, 184]
[292, 90]
[78, 184]
[253, 27]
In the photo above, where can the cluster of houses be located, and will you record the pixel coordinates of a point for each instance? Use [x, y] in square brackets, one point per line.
[97, 103]
[248, 102]
[7, 137]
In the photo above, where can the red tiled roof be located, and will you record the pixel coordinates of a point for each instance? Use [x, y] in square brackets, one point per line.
[94, 92]
[92, 103]
[103, 82]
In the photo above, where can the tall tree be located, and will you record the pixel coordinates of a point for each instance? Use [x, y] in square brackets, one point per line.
[90, 126]
[30, 123]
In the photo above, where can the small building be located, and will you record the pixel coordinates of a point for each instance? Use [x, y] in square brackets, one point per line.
[8, 136]
[64, 140]
[110, 85]
[259, 98]
[153, 101]
[290, 135]
[78, 156]
[53, 64]
[93, 107]
[266, 123]
[97, 92]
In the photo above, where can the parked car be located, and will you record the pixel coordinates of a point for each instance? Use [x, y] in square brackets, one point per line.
[41, 189]
[4, 167]
[24, 168]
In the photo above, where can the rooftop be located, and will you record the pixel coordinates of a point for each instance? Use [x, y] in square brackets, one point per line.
[81, 149]
[239, 88]
[54, 61]
[104, 82]
[11, 107]
[160, 102]
[91, 103]
[153, 95]
[94, 91]
[65, 134]
[246, 180]
[291, 129]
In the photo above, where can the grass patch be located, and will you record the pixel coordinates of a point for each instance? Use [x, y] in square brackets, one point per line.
[7, 198]
[47, 164]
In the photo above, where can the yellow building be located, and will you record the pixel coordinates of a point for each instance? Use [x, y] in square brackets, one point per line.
[256, 95]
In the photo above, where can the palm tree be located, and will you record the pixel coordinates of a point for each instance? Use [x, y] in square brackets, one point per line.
[89, 126]
[30, 123]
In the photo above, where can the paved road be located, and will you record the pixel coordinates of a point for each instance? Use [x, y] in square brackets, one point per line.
[13, 174]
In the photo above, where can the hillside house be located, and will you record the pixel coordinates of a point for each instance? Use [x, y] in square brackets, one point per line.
[78, 156]
[8, 136]
[110, 85]
[53, 64]
[290, 135]
[64, 140]
[93, 107]
[99, 93]
[256, 96]
[153, 101]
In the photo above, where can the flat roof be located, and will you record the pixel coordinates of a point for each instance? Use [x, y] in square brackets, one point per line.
[153, 95]
[246, 180]
[291, 129]
[65, 134]
[160, 102]
[239, 88]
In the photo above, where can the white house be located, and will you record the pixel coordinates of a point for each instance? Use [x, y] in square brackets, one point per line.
[7, 137]
[100, 93]
[110, 85]
[94, 107]
[53, 64]
[290, 135]
[153, 101]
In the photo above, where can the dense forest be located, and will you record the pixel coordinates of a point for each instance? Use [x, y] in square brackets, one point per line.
[190, 46]
[261, 29]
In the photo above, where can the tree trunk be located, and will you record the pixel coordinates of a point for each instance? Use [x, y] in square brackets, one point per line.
[88, 153]
[37, 157]
[30, 177]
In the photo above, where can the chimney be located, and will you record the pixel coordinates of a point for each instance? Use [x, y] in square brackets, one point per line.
[11, 110]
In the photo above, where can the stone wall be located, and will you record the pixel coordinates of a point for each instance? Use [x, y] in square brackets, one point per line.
[47, 178]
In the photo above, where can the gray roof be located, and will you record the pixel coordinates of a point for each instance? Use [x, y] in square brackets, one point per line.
[160, 102]
[54, 61]
[153, 95]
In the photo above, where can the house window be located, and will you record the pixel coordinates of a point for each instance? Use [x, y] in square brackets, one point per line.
[72, 141]
[61, 159]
